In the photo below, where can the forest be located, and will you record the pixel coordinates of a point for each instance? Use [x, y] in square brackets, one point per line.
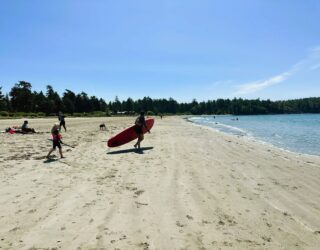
[23, 100]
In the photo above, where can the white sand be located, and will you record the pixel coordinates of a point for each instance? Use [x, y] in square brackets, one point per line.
[193, 188]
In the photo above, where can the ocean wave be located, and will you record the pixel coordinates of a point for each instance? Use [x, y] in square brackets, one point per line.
[218, 125]
[231, 128]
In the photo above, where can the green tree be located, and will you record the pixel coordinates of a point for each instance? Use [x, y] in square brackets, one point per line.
[2, 101]
[129, 105]
[82, 103]
[116, 106]
[39, 102]
[21, 97]
[103, 105]
[54, 101]
[69, 101]
[94, 103]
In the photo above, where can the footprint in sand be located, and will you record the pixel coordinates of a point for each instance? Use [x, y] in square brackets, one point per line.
[179, 224]
[14, 229]
[189, 217]
[32, 211]
[139, 192]
[265, 238]
[205, 222]
[225, 243]
[221, 223]
[144, 245]
[268, 224]
[123, 237]
[139, 204]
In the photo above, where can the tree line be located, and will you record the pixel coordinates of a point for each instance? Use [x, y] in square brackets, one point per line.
[21, 98]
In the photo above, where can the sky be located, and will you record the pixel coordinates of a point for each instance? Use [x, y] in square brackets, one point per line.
[184, 49]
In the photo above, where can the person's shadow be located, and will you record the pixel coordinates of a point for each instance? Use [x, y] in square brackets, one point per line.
[49, 160]
[131, 150]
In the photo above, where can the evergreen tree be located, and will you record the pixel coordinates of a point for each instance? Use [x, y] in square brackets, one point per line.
[103, 105]
[69, 101]
[21, 97]
[53, 101]
[129, 105]
[2, 101]
[39, 102]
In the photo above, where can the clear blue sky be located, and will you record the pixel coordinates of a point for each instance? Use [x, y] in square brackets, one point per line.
[203, 49]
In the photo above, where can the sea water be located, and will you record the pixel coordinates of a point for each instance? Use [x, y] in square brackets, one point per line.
[297, 133]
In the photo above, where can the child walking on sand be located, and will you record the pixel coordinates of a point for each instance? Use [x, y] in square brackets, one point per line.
[56, 140]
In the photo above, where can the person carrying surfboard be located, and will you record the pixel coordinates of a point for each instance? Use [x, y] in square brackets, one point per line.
[139, 124]
[56, 140]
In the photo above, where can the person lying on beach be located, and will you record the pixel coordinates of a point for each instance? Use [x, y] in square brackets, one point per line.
[62, 121]
[10, 130]
[24, 129]
[140, 123]
[56, 140]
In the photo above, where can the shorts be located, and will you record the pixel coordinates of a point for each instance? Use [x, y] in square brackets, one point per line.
[62, 123]
[56, 144]
[138, 130]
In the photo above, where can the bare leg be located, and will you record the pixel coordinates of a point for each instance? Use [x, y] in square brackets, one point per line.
[60, 151]
[140, 139]
[135, 145]
[51, 150]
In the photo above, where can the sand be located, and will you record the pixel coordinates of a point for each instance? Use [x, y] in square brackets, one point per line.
[190, 188]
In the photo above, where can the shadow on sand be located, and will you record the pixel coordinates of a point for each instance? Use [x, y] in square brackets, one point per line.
[50, 160]
[131, 150]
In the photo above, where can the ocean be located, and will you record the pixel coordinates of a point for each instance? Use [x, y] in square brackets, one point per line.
[298, 133]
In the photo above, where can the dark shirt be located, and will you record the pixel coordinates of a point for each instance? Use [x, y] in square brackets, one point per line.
[61, 118]
[24, 126]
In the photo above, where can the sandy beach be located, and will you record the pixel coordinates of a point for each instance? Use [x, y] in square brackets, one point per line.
[190, 188]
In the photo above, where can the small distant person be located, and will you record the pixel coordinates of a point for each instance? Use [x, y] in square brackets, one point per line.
[140, 123]
[25, 129]
[161, 116]
[62, 121]
[103, 126]
[56, 140]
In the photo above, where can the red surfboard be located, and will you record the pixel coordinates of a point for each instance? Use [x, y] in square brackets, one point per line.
[128, 135]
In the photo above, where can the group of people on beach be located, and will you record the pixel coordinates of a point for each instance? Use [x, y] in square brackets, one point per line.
[140, 123]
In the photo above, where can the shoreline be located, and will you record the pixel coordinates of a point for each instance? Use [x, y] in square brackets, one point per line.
[192, 187]
[253, 139]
